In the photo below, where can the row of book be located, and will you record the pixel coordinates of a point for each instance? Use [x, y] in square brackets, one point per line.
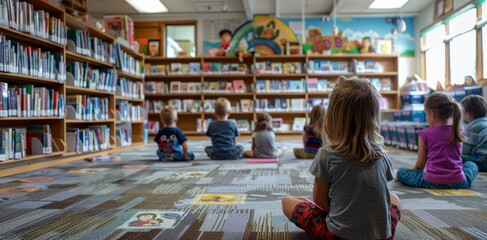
[86, 77]
[128, 112]
[127, 63]
[84, 107]
[153, 126]
[80, 42]
[281, 105]
[195, 105]
[17, 143]
[124, 135]
[402, 134]
[90, 139]
[196, 68]
[32, 61]
[333, 67]
[265, 86]
[22, 16]
[278, 68]
[130, 89]
[243, 125]
[30, 101]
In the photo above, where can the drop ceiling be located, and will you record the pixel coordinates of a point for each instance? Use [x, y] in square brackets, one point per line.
[286, 7]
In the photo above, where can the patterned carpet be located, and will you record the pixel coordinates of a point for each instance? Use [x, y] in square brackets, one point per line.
[141, 198]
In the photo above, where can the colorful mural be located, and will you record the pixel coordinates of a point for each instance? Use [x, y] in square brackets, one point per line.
[269, 36]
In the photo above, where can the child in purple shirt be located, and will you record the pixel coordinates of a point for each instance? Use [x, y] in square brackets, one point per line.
[439, 163]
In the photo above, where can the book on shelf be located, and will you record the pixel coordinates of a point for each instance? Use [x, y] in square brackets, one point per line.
[158, 88]
[279, 86]
[318, 101]
[367, 66]
[381, 84]
[246, 105]
[123, 27]
[277, 124]
[130, 89]
[13, 143]
[175, 87]
[299, 123]
[328, 67]
[24, 17]
[23, 59]
[208, 105]
[191, 105]
[155, 70]
[128, 112]
[215, 68]
[153, 127]
[30, 101]
[202, 124]
[154, 106]
[144, 46]
[84, 107]
[128, 63]
[278, 68]
[243, 125]
[281, 105]
[39, 139]
[318, 85]
[124, 135]
[80, 74]
[93, 138]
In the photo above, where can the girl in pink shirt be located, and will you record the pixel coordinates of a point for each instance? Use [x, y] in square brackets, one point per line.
[439, 163]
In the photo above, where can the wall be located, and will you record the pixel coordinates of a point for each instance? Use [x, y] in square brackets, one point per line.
[425, 19]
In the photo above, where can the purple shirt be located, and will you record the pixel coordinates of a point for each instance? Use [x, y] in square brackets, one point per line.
[443, 161]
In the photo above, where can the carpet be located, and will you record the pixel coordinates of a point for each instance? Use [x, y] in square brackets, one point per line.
[142, 198]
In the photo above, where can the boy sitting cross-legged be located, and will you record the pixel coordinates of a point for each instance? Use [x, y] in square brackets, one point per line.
[223, 133]
[170, 140]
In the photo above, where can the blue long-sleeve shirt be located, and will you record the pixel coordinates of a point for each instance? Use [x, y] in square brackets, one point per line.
[476, 143]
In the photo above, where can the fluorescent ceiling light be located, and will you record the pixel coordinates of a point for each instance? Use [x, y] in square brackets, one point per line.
[148, 6]
[387, 4]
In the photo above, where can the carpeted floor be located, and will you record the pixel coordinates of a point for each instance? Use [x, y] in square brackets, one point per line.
[142, 198]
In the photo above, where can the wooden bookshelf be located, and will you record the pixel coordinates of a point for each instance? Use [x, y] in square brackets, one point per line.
[187, 120]
[58, 125]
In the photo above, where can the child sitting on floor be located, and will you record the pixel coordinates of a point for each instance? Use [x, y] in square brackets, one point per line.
[311, 134]
[223, 133]
[351, 199]
[439, 151]
[170, 139]
[475, 147]
[263, 139]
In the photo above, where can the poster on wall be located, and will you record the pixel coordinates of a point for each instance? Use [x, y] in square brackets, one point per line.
[154, 48]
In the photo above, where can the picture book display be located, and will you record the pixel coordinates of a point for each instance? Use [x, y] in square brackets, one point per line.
[179, 87]
[367, 66]
[281, 105]
[235, 86]
[382, 84]
[215, 68]
[80, 41]
[327, 66]
[128, 112]
[278, 68]
[155, 70]
[193, 68]
[154, 219]
[127, 63]
[319, 85]
[270, 86]
[130, 89]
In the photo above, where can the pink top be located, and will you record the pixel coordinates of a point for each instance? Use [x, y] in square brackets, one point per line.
[443, 161]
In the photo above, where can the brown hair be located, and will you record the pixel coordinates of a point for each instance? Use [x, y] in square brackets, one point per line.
[263, 123]
[222, 107]
[352, 122]
[168, 115]
[316, 118]
[444, 107]
[475, 105]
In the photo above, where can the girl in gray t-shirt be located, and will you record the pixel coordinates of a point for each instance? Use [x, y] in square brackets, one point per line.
[351, 199]
[263, 139]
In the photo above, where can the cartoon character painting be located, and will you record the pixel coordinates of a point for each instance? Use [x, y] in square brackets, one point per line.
[153, 219]
[146, 220]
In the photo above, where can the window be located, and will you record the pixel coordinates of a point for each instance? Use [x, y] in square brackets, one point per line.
[463, 57]
[463, 22]
[180, 41]
[484, 50]
[435, 65]
[434, 37]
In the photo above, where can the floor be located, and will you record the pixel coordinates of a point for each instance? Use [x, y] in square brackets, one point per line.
[142, 198]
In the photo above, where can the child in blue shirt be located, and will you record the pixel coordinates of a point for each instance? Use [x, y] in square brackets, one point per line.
[223, 133]
[170, 140]
[475, 147]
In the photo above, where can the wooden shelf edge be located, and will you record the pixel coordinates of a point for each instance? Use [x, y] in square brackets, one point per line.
[32, 157]
[89, 121]
[130, 76]
[29, 118]
[78, 57]
[87, 90]
[31, 38]
[129, 99]
[14, 76]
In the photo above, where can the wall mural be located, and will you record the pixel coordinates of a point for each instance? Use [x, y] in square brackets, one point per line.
[268, 36]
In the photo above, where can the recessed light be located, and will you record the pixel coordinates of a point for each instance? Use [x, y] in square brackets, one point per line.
[148, 6]
[387, 4]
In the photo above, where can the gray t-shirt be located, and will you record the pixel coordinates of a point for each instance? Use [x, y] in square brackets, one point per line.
[264, 144]
[359, 197]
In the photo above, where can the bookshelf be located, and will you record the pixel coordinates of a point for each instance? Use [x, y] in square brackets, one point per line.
[388, 63]
[41, 94]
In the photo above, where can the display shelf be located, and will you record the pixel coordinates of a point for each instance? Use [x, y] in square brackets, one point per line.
[130, 99]
[19, 78]
[228, 94]
[29, 118]
[79, 90]
[74, 22]
[130, 76]
[291, 75]
[280, 94]
[89, 121]
[34, 157]
[30, 39]
[82, 58]
[175, 77]
[167, 95]
[131, 122]
[132, 52]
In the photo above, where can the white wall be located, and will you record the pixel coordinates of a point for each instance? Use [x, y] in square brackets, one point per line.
[423, 20]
